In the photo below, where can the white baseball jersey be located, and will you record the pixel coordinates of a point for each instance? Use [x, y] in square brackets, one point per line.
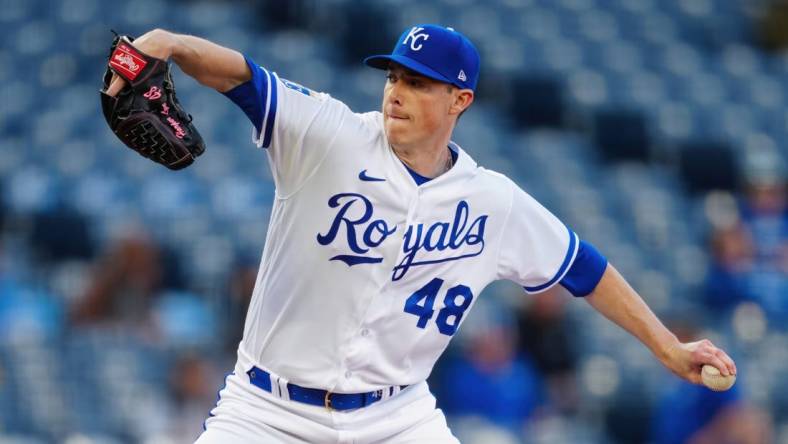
[365, 276]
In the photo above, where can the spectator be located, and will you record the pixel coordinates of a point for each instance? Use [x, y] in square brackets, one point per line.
[241, 284]
[123, 285]
[693, 414]
[546, 334]
[192, 379]
[765, 209]
[765, 215]
[727, 281]
[491, 379]
[772, 29]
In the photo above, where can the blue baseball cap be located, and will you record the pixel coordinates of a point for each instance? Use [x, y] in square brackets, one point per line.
[436, 52]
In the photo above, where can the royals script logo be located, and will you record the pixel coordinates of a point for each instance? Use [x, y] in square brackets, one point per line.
[355, 218]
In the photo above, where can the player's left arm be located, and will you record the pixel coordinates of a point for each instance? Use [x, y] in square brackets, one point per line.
[617, 301]
[210, 64]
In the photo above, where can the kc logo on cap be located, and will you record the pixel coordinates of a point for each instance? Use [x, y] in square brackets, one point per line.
[416, 33]
[436, 52]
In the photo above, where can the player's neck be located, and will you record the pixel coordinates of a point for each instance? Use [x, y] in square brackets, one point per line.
[429, 161]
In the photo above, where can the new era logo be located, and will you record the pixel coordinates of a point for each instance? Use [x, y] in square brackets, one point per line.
[462, 76]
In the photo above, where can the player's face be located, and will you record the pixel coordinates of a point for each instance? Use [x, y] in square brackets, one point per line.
[416, 109]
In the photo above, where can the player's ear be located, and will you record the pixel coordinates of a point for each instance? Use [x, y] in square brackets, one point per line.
[462, 100]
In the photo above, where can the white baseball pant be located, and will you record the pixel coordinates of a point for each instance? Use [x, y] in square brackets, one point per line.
[246, 414]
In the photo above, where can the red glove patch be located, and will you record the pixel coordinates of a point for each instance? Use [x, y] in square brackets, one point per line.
[127, 61]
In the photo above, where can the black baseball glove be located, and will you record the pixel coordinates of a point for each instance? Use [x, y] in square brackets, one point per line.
[145, 114]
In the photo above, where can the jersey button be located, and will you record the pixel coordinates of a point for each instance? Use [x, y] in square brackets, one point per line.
[365, 332]
[348, 374]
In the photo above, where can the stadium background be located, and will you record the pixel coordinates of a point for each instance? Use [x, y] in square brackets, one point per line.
[655, 128]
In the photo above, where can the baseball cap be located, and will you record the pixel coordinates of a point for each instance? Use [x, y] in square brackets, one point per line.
[436, 52]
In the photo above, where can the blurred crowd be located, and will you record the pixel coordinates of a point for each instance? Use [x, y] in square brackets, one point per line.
[748, 244]
[513, 370]
[517, 369]
[133, 291]
[113, 336]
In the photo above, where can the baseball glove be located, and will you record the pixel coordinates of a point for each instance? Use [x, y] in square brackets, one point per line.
[145, 114]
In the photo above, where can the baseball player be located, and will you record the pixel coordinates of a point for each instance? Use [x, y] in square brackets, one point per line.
[382, 235]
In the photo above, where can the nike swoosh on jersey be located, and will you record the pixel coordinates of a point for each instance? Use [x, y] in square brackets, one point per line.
[363, 176]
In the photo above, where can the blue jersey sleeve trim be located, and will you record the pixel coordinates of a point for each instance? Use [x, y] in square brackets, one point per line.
[271, 117]
[570, 255]
[252, 95]
[586, 271]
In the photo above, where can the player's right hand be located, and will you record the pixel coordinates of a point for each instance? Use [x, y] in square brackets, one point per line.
[687, 359]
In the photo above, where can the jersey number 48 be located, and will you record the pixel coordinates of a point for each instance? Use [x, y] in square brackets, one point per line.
[421, 304]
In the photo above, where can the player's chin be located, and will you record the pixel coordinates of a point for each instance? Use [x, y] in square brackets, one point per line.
[396, 131]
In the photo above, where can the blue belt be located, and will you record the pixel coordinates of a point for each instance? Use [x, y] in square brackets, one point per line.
[324, 398]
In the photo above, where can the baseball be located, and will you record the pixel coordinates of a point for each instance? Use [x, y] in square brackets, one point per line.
[713, 379]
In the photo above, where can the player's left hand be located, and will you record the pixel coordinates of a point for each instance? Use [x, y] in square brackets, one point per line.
[146, 115]
[156, 43]
[687, 359]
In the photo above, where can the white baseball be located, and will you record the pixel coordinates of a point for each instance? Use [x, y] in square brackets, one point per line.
[713, 379]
